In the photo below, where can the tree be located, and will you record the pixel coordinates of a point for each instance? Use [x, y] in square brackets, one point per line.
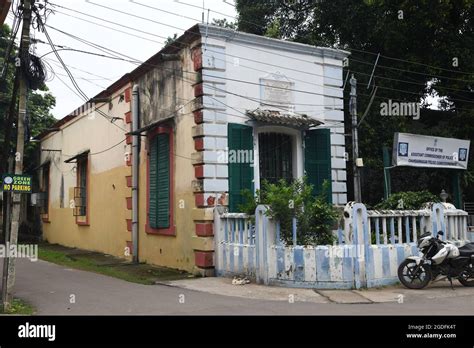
[40, 103]
[435, 42]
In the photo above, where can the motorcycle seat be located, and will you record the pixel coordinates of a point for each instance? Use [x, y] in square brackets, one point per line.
[467, 250]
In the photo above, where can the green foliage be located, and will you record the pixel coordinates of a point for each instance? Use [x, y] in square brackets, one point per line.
[315, 217]
[39, 105]
[170, 39]
[250, 202]
[273, 30]
[107, 265]
[224, 23]
[407, 200]
[19, 307]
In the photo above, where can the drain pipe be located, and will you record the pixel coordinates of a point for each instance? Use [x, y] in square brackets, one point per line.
[135, 170]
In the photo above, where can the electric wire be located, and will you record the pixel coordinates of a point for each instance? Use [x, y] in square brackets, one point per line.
[402, 91]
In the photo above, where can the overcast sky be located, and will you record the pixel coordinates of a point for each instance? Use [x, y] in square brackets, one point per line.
[96, 73]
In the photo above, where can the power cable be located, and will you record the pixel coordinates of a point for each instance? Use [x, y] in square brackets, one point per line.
[76, 86]
[235, 56]
[349, 49]
[151, 7]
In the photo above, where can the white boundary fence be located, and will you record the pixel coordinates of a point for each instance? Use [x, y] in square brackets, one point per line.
[369, 248]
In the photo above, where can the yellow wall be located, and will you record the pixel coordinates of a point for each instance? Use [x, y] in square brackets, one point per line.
[107, 191]
[107, 230]
[172, 251]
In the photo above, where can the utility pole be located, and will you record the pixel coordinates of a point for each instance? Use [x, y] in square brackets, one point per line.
[20, 144]
[355, 140]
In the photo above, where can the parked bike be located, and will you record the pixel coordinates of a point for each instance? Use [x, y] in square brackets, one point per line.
[440, 260]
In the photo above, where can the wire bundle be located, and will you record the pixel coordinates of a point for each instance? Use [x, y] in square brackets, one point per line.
[34, 70]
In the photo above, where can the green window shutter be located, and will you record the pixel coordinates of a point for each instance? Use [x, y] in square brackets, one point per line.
[159, 195]
[240, 137]
[318, 159]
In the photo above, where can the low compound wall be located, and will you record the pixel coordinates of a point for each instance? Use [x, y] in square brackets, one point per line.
[367, 254]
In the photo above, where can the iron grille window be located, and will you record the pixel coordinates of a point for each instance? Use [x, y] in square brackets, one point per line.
[80, 192]
[276, 157]
[44, 197]
[80, 201]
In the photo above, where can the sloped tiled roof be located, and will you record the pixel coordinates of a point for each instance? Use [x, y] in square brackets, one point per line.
[288, 119]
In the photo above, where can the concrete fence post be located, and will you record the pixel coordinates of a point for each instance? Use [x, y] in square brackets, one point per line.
[262, 226]
[361, 243]
[437, 219]
[218, 238]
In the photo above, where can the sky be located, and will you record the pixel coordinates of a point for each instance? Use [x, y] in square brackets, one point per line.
[114, 30]
[94, 73]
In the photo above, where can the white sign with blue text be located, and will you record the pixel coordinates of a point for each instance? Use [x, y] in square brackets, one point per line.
[416, 150]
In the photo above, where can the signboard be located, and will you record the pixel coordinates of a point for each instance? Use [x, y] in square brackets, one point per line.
[276, 90]
[16, 183]
[430, 152]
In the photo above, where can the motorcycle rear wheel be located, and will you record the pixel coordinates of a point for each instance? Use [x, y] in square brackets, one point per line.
[407, 277]
[466, 279]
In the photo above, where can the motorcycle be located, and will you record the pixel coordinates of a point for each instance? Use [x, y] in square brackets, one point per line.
[440, 260]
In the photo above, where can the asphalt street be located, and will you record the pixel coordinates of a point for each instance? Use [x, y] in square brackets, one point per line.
[57, 290]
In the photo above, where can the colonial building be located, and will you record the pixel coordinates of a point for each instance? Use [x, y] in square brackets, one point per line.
[219, 111]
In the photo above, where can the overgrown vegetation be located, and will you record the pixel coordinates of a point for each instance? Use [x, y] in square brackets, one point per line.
[108, 265]
[315, 217]
[19, 307]
[407, 200]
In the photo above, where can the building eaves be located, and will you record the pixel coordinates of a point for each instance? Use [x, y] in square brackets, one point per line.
[195, 33]
[274, 117]
[269, 43]
[189, 36]
[4, 8]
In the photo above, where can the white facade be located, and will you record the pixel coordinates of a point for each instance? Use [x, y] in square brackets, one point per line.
[236, 68]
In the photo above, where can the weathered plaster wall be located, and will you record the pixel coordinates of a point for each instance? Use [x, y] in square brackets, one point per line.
[173, 95]
[108, 213]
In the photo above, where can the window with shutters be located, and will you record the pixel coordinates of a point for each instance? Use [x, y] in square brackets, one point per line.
[159, 184]
[240, 141]
[318, 159]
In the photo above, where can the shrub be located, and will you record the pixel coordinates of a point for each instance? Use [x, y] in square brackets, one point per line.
[314, 215]
[407, 200]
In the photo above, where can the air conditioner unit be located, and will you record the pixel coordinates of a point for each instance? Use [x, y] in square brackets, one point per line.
[38, 199]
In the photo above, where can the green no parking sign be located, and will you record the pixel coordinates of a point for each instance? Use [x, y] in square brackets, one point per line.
[16, 183]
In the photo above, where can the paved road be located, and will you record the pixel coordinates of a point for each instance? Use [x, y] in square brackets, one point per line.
[50, 287]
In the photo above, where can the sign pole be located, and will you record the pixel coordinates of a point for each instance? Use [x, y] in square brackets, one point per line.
[457, 195]
[387, 188]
